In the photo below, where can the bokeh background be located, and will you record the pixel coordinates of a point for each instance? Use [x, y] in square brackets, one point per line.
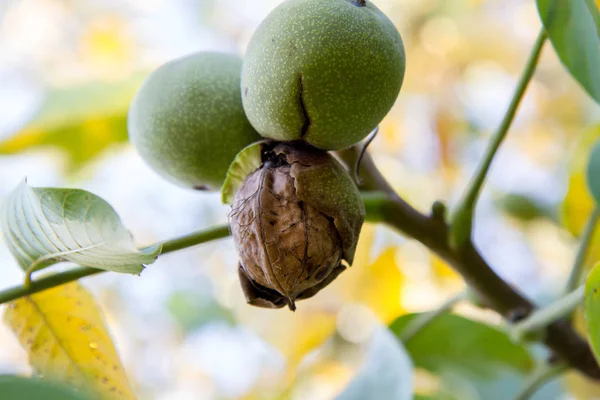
[68, 70]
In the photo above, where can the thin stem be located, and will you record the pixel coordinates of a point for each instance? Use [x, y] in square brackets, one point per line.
[365, 146]
[37, 265]
[195, 238]
[463, 217]
[588, 233]
[372, 201]
[543, 375]
[542, 318]
[424, 319]
[74, 274]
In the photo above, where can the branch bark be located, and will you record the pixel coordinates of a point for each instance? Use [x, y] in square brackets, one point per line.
[433, 232]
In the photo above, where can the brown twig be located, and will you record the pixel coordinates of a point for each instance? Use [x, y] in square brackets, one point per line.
[477, 273]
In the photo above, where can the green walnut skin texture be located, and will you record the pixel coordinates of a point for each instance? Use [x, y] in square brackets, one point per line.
[326, 71]
[187, 121]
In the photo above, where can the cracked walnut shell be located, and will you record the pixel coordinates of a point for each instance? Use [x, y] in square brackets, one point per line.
[293, 221]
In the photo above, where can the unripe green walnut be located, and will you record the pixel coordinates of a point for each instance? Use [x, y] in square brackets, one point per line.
[187, 120]
[326, 71]
[293, 221]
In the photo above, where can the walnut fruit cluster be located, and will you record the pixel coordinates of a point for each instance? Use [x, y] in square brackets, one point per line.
[318, 75]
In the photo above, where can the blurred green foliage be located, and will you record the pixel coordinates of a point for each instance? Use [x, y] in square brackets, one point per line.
[80, 121]
[574, 30]
[452, 343]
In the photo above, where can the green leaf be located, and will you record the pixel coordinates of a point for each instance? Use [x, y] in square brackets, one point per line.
[594, 6]
[16, 387]
[523, 207]
[506, 385]
[574, 29]
[82, 121]
[45, 225]
[386, 372]
[593, 172]
[592, 309]
[457, 344]
[195, 309]
[246, 162]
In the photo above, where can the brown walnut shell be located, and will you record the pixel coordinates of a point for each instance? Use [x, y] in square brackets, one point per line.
[293, 222]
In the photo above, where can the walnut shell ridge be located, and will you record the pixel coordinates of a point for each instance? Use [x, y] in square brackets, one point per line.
[293, 222]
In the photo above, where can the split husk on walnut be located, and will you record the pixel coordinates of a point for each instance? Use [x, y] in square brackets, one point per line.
[293, 221]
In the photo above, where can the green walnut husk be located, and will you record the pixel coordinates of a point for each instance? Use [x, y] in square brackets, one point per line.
[187, 120]
[294, 220]
[324, 71]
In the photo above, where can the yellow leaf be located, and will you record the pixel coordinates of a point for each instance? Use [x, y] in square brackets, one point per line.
[294, 334]
[312, 329]
[376, 284]
[107, 39]
[380, 286]
[577, 385]
[444, 274]
[578, 203]
[64, 334]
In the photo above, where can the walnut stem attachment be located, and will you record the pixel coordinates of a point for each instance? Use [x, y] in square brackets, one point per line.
[462, 219]
[363, 150]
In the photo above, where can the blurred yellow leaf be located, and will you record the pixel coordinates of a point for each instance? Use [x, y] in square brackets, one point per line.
[576, 209]
[327, 372]
[294, 334]
[444, 273]
[580, 387]
[379, 286]
[81, 121]
[107, 38]
[578, 203]
[375, 284]
[63, 332]
[362, 257]
[311, 330]
[392, 137]
[327, 375]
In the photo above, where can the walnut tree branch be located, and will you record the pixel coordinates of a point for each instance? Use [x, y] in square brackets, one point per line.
[494, 291]
[74, 274]
[462, 220]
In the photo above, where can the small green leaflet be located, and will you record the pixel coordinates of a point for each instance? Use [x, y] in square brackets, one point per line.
[592, 309]
[574, 30]
[246, 162]
[593, 172]
[42, 226]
